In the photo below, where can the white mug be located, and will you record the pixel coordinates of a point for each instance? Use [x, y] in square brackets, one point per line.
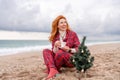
[63, 44]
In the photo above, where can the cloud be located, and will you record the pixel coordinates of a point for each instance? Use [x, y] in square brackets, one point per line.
[20, 15]
[88, 17]
[14, 35]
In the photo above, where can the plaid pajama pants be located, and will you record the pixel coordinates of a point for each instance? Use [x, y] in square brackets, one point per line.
[56, 60]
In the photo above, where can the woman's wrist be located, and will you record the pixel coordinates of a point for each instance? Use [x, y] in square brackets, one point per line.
[72, 50]
[55, 49]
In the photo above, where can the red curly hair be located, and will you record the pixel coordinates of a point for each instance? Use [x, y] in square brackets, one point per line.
[55, 27]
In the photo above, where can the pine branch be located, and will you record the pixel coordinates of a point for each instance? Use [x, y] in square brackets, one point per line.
[82, 59]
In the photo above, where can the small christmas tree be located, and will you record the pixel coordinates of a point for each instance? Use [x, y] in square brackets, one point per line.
[82, 59]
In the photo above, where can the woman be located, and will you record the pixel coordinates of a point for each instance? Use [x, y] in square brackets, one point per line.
[65, 43]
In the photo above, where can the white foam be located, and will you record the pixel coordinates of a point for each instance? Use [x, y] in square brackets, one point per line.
[9, 51]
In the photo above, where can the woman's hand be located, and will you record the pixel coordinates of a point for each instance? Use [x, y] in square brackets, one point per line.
[65, 48]
[57, 44]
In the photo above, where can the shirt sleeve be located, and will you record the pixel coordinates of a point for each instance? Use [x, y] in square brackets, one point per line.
[76, 43]
[53, 42]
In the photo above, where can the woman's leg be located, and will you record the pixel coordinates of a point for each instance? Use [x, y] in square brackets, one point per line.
[62, 58]
[49, 61]
[48, 58]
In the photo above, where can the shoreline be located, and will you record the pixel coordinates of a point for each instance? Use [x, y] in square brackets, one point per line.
[30, 65]
[18, 50]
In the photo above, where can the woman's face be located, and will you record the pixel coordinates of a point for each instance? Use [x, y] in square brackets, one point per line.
[62, 25]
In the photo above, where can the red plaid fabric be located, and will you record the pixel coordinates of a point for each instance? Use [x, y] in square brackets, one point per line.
[71, 40]
[61, 58]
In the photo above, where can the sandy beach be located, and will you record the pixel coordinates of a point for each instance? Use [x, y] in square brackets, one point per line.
[30, 65]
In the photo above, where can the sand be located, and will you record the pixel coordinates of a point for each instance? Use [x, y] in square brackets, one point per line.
[30, 65]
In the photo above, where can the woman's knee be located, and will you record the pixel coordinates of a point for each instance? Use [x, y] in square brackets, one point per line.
[45, 51]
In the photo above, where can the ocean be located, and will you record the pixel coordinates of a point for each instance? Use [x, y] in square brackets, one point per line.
[8, 47]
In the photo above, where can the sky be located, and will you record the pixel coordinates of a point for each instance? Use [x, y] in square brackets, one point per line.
[97, 19]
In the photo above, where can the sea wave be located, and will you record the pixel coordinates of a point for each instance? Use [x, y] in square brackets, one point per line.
[9, 51]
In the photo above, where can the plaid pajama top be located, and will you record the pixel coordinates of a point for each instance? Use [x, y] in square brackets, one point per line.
[71, 39]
